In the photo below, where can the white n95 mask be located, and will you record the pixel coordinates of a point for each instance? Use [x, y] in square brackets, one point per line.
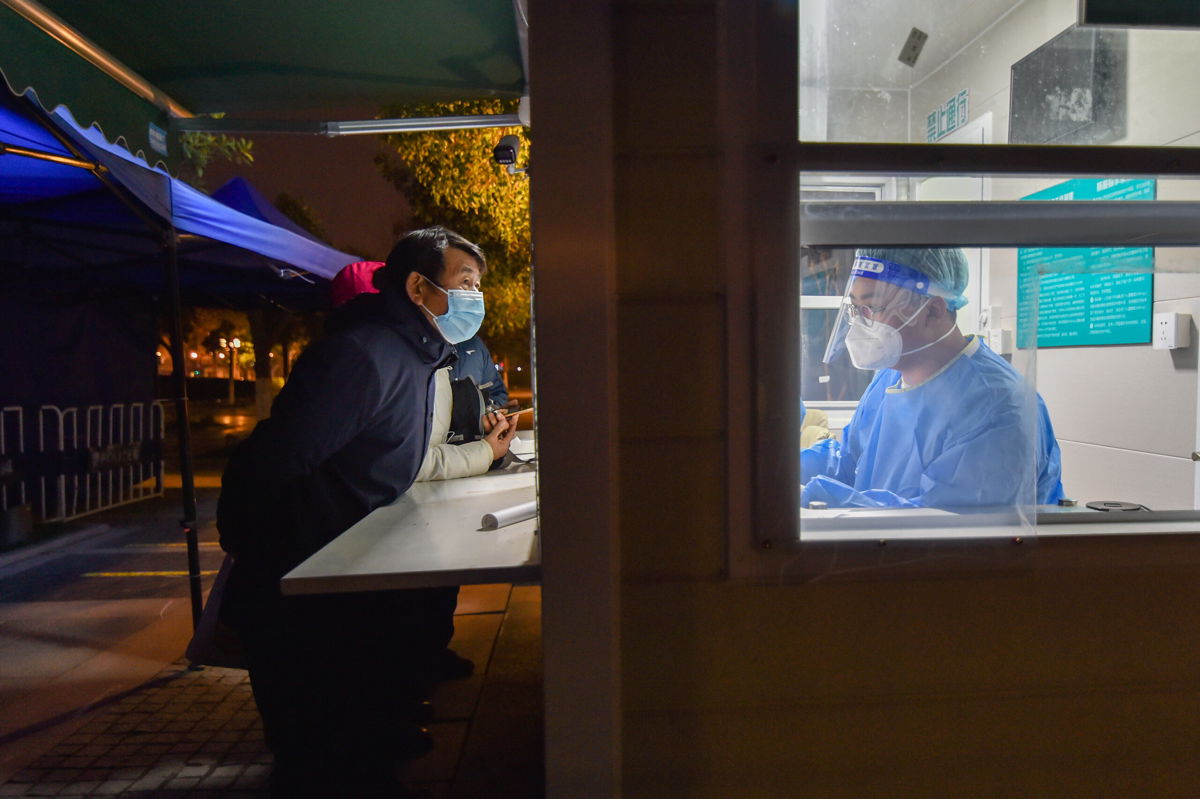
[879, 345]
[875, 347]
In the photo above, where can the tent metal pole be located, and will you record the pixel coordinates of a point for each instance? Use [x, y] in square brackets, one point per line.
[179, 381]
[345, 127]
[56, 28]
[25, 152]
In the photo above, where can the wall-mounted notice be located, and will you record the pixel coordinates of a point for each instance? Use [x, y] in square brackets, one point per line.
[1087, 295]
[947, 117]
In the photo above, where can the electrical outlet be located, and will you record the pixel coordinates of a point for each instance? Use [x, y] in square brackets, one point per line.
[1171, 331]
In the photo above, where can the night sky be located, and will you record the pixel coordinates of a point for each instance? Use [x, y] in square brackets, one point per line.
[336, 177]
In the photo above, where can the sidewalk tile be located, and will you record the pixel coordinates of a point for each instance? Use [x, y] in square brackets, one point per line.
[197, 733]
[181, 784]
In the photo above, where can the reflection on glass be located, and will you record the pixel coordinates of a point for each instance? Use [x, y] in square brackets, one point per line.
[1059, 385]
[932, 70]
[824, 274]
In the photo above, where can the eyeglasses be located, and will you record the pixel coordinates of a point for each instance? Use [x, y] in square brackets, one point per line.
[865, 314]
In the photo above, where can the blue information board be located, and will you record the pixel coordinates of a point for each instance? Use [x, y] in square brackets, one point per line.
[1087, 295]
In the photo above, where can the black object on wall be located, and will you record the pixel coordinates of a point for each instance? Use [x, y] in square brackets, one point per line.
[1071, 90]
[1140, 13]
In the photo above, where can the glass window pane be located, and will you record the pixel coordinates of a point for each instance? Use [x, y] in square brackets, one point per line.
[942, 440]
[1075, 324]
[991, 71]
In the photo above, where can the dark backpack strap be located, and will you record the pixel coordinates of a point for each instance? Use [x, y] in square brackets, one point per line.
[466, 415]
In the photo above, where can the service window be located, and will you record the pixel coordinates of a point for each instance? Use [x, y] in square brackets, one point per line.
[1002, 352]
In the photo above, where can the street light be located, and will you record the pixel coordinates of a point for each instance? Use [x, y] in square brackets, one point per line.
[233, 345]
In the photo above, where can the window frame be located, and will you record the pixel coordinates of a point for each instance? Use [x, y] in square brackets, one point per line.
[775, 161]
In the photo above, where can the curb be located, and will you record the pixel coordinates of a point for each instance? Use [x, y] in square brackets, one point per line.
[10, 562]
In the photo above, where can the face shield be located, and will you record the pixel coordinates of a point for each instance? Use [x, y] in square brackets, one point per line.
[879, 292]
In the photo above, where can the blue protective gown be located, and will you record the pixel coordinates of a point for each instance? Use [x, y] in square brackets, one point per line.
[962, 438]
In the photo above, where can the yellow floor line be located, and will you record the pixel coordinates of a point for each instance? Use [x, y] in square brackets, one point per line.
[146, 574]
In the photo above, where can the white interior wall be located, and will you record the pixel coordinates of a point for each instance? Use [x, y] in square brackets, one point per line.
[982, 67]
[867, 114]
[1125, 416]
[1163, 101]
[814, 72]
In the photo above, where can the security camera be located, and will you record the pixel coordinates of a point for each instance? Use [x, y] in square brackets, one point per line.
[505, 153]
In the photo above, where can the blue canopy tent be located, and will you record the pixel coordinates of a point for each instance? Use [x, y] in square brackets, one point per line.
[240, 194]
[56, 216]
[77, 211]
[192, 211]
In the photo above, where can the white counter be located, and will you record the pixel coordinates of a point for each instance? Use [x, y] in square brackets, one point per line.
[430, 537]
[918, 524]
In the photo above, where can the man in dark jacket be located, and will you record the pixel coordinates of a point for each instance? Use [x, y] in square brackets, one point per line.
[475, 361]
[333, 675]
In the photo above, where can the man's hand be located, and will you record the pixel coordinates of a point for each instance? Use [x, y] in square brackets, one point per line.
[498, 432]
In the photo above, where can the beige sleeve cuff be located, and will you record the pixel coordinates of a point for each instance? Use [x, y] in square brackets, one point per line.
[448, 461]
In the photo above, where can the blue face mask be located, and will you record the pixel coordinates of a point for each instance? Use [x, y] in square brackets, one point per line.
[463, 315]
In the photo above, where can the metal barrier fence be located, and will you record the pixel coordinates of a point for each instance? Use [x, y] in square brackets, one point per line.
[12, 450]
[102, 457]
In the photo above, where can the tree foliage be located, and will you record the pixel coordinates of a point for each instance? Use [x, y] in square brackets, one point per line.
[300, 212]
[449, 178]
[200, 148]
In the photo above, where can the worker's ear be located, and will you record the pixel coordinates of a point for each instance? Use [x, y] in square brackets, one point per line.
[413, 286]
[937, 308]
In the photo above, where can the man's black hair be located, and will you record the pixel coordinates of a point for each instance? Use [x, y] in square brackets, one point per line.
[423, 251]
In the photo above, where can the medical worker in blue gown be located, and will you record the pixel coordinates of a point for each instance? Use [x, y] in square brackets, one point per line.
[945, 422]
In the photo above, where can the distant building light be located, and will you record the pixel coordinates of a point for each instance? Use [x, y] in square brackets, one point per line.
[270, 355]
[194, 355]
[220, 355]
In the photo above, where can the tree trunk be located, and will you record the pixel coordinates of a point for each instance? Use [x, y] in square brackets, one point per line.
[265, 325]
[232, 396]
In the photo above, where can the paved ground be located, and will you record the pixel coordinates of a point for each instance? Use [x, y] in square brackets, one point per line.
[196, 733]
[186, 733]
[95, 699]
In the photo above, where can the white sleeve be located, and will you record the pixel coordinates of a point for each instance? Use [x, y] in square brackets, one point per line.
[447, 461]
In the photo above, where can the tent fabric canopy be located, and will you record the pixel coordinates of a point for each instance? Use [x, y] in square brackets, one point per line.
[25, 180]
[62, 217]
[269, 57]
[192, 211]
[240, 195]
[34, 64]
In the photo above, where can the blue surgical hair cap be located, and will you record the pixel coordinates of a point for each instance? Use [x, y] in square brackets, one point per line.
[945, 267]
